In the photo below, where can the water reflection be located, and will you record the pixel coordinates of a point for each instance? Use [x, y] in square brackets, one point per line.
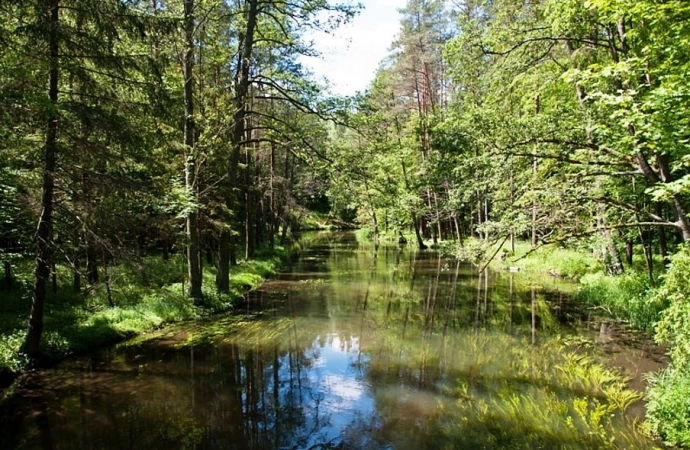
[360, 348]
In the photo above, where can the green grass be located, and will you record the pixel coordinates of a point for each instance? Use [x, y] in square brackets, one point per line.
[305, 220]
[629, 297]
[147, 295]
[558, 261]
[365, 235]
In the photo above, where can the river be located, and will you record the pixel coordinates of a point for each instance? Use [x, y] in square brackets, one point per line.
[351, 347]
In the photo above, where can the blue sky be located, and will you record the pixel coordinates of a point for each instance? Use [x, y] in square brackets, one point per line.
[351, 56]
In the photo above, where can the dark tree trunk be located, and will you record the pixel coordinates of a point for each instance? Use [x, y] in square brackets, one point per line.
[76, 269]
[629, 252]
[192, 223]
[8, 275]
[223, 268]
[53, 275]
[44, 233]
[91, 264]
[663, 243]
[272, 222]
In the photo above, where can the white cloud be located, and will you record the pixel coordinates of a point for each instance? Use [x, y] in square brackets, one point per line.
[352, 54]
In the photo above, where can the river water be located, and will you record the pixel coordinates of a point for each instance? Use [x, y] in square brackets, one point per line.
[351, 347]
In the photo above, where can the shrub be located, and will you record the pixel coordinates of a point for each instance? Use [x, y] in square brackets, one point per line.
[674, 326]
[10, 358]
[668, 406]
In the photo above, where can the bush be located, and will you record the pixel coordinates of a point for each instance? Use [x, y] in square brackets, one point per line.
[674, 326]
[669, 393]
[10, 358]
[668, 406]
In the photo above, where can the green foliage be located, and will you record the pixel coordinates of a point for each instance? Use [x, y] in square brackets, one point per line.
[668, 407]
[674, 327]
[629, 297]
[559, 261]
[146, 296]
[11, 361]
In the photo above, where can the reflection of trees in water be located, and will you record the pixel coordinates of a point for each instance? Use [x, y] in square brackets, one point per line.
[224, 396]
[445, 356]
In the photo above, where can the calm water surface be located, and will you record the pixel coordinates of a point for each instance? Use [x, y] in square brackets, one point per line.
[351, 348]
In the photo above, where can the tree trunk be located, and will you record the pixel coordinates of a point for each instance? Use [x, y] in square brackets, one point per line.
[91, 262]
[8, 275]
[44, 233]
[663, 243]
[193, 248]
[242, 84]
[223, 268]
[612, 259]
[53, 275]
[647, 254]
[537, 108]
[76, 269]
[272, 202]
[629, 252]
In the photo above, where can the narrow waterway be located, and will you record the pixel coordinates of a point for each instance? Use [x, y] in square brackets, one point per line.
[352, 347]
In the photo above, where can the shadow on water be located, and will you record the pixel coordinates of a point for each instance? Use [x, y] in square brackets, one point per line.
[353, 347]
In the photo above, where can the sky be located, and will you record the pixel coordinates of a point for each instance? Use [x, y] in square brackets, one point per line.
[352, 54]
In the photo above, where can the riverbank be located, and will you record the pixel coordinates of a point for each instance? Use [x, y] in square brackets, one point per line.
[131, 299]
[655, 305]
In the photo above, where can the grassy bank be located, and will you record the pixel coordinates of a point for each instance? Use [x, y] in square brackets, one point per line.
[131, 298]
[658, 306]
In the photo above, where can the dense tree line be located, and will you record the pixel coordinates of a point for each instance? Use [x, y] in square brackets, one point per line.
[133, 127]
[550, 121]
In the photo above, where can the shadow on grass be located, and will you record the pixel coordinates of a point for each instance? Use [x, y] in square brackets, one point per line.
[146, 296]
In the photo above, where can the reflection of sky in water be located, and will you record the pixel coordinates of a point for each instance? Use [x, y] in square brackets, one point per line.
[341, 402]
[432, 354]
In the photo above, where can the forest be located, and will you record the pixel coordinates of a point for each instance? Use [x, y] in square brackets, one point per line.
[164, 152]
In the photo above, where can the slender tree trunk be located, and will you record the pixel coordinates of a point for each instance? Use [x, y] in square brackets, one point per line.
[193, 247]
[272, 223]
[663, 243]
[415, 221]
[223, 268]
[76, 269]
[374, 220]
[479, 217]
[242, 85]
[512, 202]
[647, 254]
[8, 275]
[248, 207]
[537, 108]
[629, 252]
[283, 212]
[44, 233]
[91, 260]
[432, 228]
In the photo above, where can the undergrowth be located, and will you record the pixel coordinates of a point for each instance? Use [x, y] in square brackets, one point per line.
[144, 295]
